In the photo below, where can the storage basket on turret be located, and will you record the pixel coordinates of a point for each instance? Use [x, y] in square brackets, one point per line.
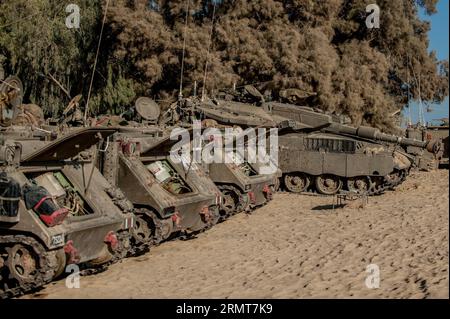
[10, 192]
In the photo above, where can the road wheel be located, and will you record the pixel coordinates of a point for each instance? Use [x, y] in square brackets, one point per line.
[359, 184]
[297, 182]
[328, 184]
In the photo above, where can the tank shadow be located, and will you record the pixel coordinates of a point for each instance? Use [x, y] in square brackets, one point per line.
[328, 207]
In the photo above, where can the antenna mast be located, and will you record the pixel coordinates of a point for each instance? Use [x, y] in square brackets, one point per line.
[180, 95]
[407, 80]
[95, 64]
[421, 120]
[421, 114]
[209, 49]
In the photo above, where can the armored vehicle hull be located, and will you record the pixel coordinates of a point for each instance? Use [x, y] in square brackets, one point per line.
[62, 213]
[242, 184]
[243, 189]
[172, 197]
[332, 156]
[317, 153]
[327, 163]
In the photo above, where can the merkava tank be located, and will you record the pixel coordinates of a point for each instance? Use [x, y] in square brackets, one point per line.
[336, 156]
[317, 153]
[432, 131]
[56, 208]
[173, 198]
[244, 184]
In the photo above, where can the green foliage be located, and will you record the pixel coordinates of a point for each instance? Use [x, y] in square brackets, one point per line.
[38, 46]
[322, 48]
[115, 97]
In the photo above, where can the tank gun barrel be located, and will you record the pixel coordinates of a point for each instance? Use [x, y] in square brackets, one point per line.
[375, 134]
[325, 122]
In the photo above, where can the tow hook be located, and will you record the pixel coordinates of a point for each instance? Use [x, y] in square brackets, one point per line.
[268, 192]
[205, 214]
[252, 197]
[72, 252]
[111, 240]
[130, 148]
[176, 219]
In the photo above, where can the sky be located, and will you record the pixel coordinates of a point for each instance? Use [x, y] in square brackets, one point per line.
[439, 42]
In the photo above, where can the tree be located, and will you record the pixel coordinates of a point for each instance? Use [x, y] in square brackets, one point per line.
[322, 48]
[43, 52]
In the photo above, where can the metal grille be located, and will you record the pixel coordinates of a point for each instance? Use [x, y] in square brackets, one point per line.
[330, 145]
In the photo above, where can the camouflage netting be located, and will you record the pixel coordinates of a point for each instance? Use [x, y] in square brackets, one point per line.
[322, 49]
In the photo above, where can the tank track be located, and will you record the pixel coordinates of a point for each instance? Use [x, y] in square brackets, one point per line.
[126, 249]
[388, 184]
[157, 238]
[144, 238]
[374, 189]
[241, 205]
[49, 264]
[188, 236]
[130, 245]
[12, 286]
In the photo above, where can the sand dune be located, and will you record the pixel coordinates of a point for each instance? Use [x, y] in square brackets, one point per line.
[296, 247]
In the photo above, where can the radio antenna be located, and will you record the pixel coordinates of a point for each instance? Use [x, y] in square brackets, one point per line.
[209, 49]
[409, 96]
[421, 119]
[95, 64]
[421, 113]
[180, 95]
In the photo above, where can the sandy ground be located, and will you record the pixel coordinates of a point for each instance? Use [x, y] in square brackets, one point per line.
[297, 247]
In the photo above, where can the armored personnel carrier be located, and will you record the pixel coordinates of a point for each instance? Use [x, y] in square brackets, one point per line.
[243, 184]
[171, 197]
[316, 152]
[56, 208]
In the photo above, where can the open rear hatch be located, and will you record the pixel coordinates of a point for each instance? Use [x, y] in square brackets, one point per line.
[68, 146]
[158, 146]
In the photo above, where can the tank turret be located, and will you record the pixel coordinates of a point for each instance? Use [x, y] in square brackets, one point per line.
[327, 123]
[319, 152]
